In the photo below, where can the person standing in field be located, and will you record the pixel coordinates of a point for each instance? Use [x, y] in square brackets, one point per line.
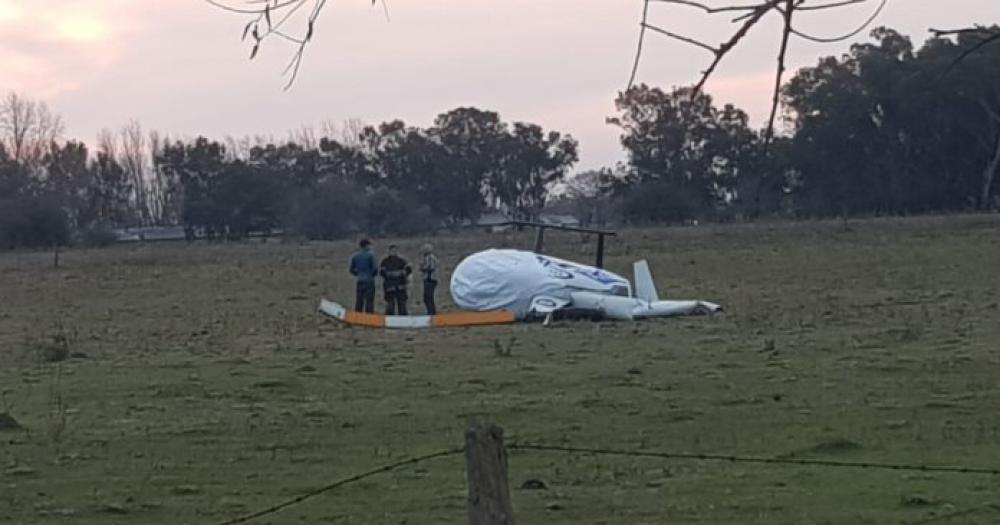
[395, 272]
[364, 270]
[428, 267]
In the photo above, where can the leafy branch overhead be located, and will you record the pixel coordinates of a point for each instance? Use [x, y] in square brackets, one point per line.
[269, 19]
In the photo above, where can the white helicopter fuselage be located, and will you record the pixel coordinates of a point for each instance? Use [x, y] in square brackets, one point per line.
[531, 285]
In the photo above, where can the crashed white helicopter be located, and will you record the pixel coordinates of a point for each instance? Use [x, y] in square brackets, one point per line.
[500, 286]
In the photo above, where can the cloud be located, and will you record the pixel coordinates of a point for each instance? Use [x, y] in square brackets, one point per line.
[180, 67]
[82, 28]
[49, 49]
[9, 11]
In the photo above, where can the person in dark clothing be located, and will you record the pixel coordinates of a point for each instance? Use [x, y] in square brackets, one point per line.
[428, 267]
[364, 270]
[395, 272]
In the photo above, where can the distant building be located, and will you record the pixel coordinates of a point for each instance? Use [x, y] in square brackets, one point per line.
[173, 233]
[151, 233]
[499, 222]
[494, 221]
[557, 219]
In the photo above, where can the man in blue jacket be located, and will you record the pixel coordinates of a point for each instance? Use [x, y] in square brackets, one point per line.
[364, 269]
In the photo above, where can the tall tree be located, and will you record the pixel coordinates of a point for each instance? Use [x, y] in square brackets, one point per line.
[589, 195]
[972, 86]
[27, 129]
[531, 163]
[14, 178]
[410, 159]
[134, 159]
[109, 196]
[471, 139]
[345, 162]
[67, 179]
[885, 129]
[196, 166]
[684, 144]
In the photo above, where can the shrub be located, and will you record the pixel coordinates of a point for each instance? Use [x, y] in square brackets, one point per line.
[389, 212]
[333, 210]
[659, 203]
[33, 223]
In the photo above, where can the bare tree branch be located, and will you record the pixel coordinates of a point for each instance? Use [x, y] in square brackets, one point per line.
[724, 49]
[27, 128]
[712, 10]
[852, 34]
[833, 5]
[255, 11]
[749, 16]
[682, 38]
[642, 36]
[786, 32]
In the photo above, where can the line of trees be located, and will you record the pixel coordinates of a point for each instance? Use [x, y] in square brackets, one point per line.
[883, 129]
[385, 179]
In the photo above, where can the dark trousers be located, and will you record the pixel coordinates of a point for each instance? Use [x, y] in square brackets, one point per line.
[429, 286]
[395, 302]
[364, 299]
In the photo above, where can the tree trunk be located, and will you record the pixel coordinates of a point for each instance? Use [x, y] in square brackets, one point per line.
[991, 168]
[989, 174]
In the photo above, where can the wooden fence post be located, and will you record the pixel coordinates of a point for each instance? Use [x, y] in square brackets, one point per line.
[486, 466]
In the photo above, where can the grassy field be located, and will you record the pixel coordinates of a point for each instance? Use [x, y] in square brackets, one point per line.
[199, 383]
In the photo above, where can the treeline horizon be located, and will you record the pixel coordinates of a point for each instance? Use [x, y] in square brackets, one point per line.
[884, 129]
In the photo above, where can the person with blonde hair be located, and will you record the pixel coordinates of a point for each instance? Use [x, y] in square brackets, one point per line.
[429, 267]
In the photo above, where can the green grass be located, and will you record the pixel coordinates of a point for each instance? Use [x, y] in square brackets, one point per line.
[200, 383]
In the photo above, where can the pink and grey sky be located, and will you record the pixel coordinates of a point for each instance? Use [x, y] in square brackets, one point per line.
[178, 66]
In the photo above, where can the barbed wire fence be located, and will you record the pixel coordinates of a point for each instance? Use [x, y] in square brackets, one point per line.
[342, 482]
[488, 501]
[755, 459]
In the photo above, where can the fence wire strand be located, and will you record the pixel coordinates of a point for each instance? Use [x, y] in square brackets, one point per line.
[754, 459]
[536, 447]
[958, 514]
[341, 482]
